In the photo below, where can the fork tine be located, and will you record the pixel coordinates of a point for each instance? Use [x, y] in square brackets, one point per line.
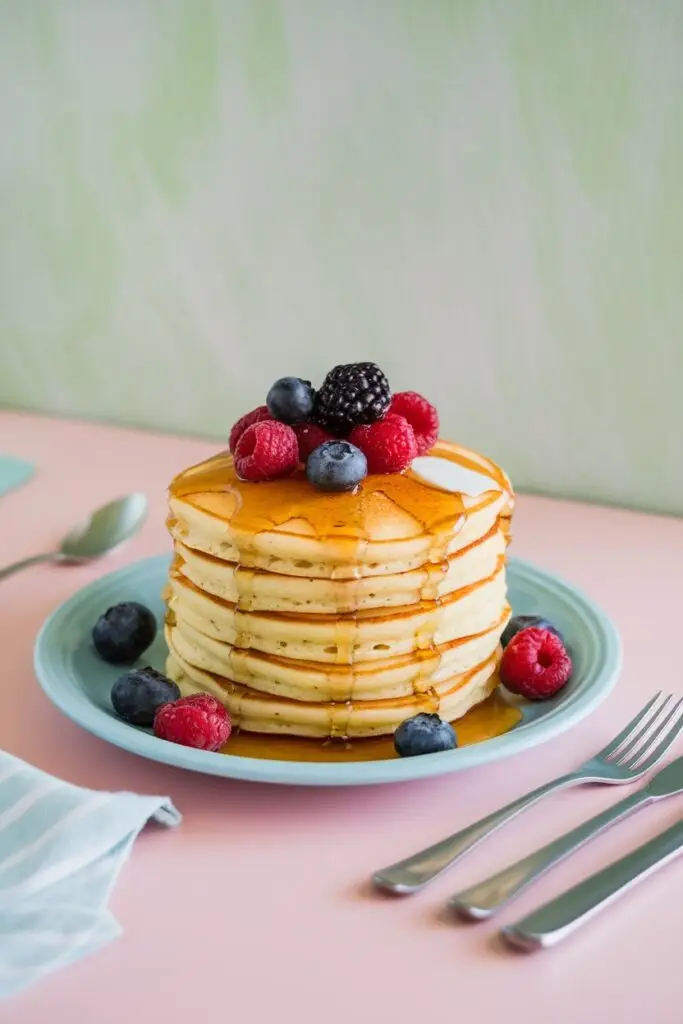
[616, 743]
[641, 741]
[660, 750]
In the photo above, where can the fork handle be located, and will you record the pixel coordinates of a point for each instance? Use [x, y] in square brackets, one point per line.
[482, 900]
[560, 917]
[413, 873]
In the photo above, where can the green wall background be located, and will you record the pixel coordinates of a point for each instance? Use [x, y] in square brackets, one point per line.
[485, 197]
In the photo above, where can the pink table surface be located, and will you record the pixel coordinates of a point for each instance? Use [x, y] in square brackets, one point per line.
[258, 906]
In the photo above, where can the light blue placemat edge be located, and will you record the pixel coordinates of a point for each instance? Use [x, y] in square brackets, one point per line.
[14, 472]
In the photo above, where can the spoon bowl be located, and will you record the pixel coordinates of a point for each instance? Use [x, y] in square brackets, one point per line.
[105, 529]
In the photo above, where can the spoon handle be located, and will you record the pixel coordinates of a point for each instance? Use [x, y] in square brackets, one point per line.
[9, 570]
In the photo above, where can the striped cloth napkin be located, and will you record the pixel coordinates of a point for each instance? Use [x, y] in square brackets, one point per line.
[61, 850]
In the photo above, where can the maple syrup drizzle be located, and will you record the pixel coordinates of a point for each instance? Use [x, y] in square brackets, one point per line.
[343, 518]
[492, 717]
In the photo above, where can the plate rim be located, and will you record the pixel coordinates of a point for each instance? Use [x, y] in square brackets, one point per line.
[607, 649]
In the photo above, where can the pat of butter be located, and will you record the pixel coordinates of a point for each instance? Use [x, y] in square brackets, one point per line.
[449, 476]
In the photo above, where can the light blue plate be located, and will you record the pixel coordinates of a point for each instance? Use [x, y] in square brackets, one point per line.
[78, 682]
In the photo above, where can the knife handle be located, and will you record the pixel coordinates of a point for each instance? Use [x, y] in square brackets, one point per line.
[560, 917]
[485, 898]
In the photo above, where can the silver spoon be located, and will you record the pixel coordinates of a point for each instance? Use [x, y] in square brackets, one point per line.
[103, 531]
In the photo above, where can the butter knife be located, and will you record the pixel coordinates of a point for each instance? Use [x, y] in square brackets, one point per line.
[559, 918]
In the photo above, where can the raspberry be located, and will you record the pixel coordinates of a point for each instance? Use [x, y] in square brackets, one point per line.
[196, 721]
[422, 416]
[389, 445]
[310, 436]
[535, 664]
[255, 416]
[266, 450]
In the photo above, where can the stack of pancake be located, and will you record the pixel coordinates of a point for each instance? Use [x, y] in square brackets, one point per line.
[339, 615]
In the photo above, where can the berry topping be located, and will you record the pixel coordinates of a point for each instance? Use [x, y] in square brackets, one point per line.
[309, 436]
[266, 450]
[255, 416]
[520, 622]
[290, 400]
[423, 734]
[422, 416]
[350, 395]
[336, 466]
[124, 632]
[136, 695]
[535, 664]
[389, 446]
[196, 721]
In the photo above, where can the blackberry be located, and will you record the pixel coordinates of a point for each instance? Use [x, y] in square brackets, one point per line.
[351, 395]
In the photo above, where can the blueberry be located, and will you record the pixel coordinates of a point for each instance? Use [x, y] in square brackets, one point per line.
[520, 622]
[290, 400]
[124, 632]
[136, 695]
[423, 734]
[336, 466]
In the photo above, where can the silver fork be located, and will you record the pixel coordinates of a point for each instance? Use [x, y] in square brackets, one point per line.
[621, 761]
[488, 896]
